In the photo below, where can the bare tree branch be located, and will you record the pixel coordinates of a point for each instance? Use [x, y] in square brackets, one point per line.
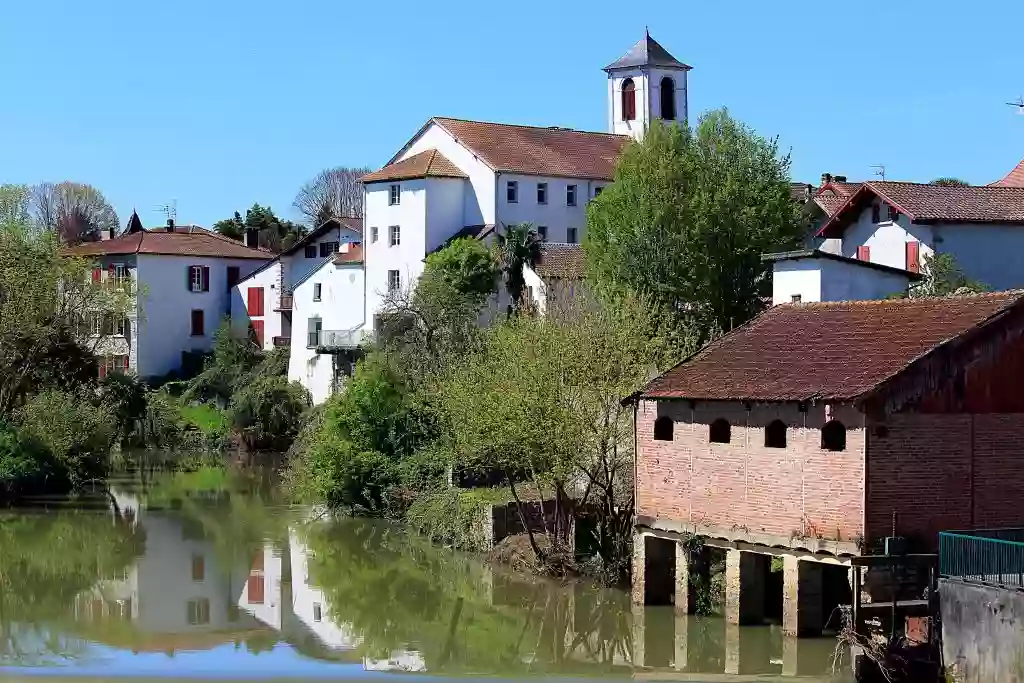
[76, 212]
[333, 192]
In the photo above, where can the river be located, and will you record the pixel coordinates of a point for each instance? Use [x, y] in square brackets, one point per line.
[209, 576]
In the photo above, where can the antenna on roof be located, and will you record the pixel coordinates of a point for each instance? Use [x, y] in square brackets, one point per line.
[879, 170]
[170, 210]
[1019, 104]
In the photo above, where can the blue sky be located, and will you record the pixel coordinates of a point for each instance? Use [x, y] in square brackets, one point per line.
[222, 103]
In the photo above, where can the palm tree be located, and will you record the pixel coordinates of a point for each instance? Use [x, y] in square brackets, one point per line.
[519, 247]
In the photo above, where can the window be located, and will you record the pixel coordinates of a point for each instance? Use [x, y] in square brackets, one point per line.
[570, 195]
[570, 235]
[876, 213]
[121, 326]
[197, 322]
[373, 234]
[668, 99]
[795, 299]
[198, 278]
[111, 364]
[833, 436]
[512, 192]
[864, 253]
[254, 304]
[720, 431]
[914, 257]
[198, 568]
[542, 193]
[314, 328]
[894, 214]
[318, 612]
[775, 434]
[663, 428]
[598, 190]
[328, 248]
[395, 195]
[394, 235]
[199, 612]
[394, 281]
[310, 251]
[542, 232]
[316, 291]
[121, 277]
[628, 100]
[234, 276]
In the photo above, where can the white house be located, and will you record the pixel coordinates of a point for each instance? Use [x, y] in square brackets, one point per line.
[262, 302]
[181, 278]
[557, 275]
[327, 315]
[812, 275]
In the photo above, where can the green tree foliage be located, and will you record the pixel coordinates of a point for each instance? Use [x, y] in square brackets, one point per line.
[687, 219]
[950, 182]
[943, 277]
[518, 247]
[267, 413]
[274, 233]
[125, 397]
[226, 369]
[26, 467]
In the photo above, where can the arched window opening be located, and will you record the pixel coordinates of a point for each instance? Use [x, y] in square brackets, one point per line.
[663, 428]
[668, 99]
[628, 100]
[720, 431]
[833, 436]
[775, 434]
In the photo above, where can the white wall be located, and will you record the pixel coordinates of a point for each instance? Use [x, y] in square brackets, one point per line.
[556, 214]
[297, 266]
[341, 307]
[796, 277]
[445, 200]
[679, 77]
[305, 595]
[118, 345]
[273, 321]
[823, 279]
[886, 239]
[990, 254]
[638, 126]
[167, 303]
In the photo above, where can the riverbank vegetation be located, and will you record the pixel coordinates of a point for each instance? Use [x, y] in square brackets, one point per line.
[533, 403]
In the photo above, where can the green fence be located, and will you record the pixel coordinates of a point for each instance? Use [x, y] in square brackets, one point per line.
[990, 556]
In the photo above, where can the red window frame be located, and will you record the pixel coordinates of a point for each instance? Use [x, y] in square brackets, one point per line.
[914, 257]
[864, 253]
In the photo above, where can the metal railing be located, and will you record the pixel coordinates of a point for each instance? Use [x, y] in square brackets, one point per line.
[286, 302]
[989, 556]
[342, 339]
[282, 341]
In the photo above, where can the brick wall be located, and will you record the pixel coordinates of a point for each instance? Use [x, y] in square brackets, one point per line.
[799, 489]
[943, 472]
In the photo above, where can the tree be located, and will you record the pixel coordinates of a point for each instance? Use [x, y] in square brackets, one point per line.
[273, 233]
[75, 211]
[518, 247]
[267, 413]
[943, 277]
[334, 192]
[950, 182]
[687, 219]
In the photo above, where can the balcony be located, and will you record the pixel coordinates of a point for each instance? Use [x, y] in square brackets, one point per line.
[282, 342]
[990, 556]
[329, 341]
[285, 303]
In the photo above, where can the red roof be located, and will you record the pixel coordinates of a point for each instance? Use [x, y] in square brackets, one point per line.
[530, 150]
[1014, 179]
[560, 261]
[834, 351]
[353, 255]
[192, 243]
[933, 203]
[833, 195]
[428, 164]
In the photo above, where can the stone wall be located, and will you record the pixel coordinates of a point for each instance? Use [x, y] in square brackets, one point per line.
[982, 633]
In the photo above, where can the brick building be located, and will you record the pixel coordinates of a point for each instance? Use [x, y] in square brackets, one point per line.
[811, 431]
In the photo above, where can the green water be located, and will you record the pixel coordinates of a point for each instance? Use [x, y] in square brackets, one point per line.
[208, 576]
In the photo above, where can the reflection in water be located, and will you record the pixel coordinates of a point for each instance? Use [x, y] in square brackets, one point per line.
[208, 570]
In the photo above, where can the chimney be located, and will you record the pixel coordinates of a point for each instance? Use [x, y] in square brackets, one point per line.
[252, 238]
[840, 178]
[170, 225]
[826, 178]
[107, 234]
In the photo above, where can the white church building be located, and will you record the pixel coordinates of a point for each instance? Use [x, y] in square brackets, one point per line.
[460, 178]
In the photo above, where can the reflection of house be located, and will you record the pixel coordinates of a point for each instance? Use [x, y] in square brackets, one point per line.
[261, 594]
[309, 605]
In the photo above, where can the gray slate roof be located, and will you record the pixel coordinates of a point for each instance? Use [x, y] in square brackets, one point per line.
[647, 53]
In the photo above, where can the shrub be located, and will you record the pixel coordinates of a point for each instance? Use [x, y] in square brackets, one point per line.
[337, 473]
[455, 517]
[267, 414]
[125, 397]
[77, 434]
[25, 466]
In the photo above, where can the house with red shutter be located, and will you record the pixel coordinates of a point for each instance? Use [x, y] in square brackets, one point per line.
[180, 279]
[815, 431]
[893, 228]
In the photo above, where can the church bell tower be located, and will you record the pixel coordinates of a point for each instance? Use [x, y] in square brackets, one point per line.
[646, 83]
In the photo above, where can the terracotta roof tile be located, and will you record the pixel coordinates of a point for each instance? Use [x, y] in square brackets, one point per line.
[833, 195]
[1015, 178]
[556, 152]
[428, 164]
[825, 351]
[562, 261]
[193, 243]
[353, 255]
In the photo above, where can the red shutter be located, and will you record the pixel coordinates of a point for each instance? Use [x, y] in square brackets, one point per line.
[255, 302]
[206, 278]
[864, 253]
[97, 273]
[124, 362]
[914, 257]
[255, 589]
[111, 271]
[257, 327]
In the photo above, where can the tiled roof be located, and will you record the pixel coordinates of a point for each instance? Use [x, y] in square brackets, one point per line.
[353, 255]
[801, 192]
[1015, 178]
[428, 164]
[833, 195]
[836, 351]
[562, 261]
[477, 232]
[933, 203]
[648, 52]
[556, 152]
[353, 223]
[192, 243]
[801, 254]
